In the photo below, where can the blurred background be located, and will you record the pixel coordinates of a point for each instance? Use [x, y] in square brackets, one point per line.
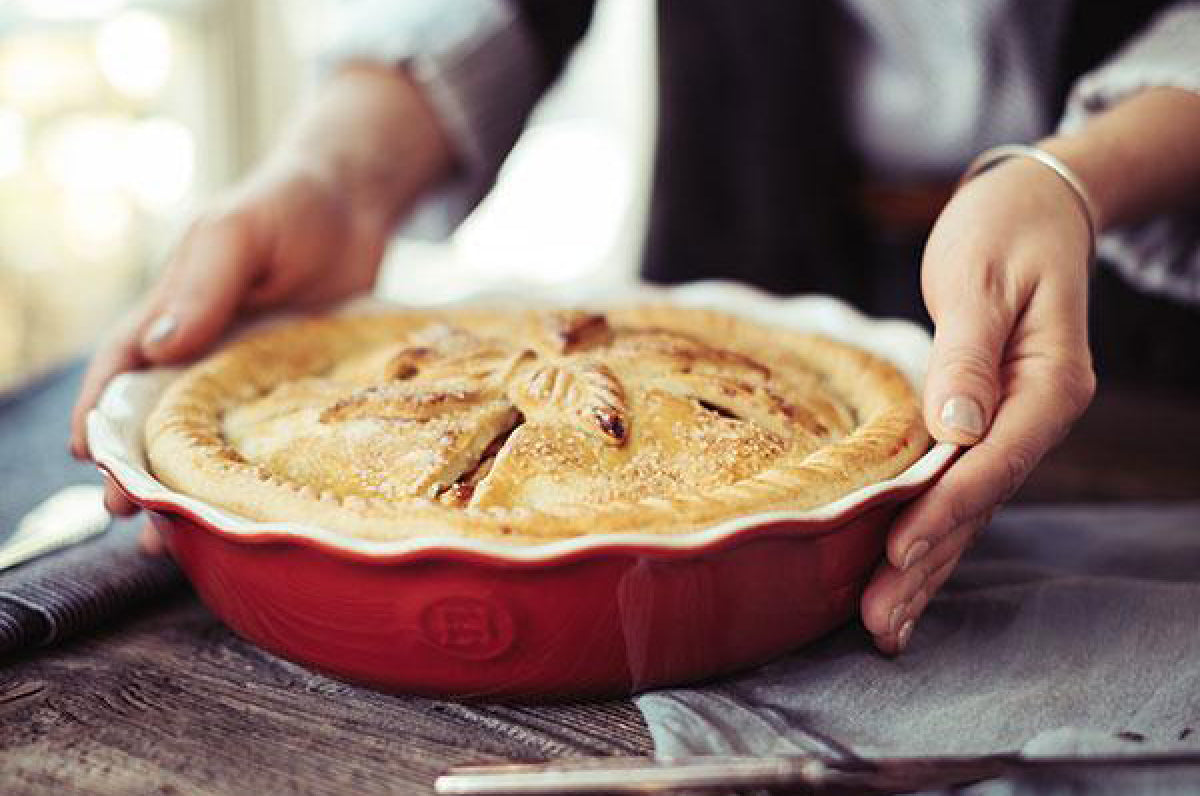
[118, 118]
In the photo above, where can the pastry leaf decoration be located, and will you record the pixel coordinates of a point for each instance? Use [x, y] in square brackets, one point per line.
[446, 370]
[586, 391]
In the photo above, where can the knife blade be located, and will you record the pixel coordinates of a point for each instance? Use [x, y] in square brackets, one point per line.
[67, 517]
[640, 775]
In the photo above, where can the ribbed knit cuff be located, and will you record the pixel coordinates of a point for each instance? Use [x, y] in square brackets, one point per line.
[478, 66]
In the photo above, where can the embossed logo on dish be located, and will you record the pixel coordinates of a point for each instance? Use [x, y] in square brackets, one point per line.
[468, 627]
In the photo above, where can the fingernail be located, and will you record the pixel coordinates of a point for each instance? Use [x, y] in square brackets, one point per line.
[917, 602]
[160, 330]
[897, 616]
[916, 551]
[963, 414]
[905, 634]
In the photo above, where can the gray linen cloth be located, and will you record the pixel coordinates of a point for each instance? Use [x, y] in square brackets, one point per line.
[76, 590]
[1064, 631]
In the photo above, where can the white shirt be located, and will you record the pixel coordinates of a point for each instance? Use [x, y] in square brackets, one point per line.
[934, 82]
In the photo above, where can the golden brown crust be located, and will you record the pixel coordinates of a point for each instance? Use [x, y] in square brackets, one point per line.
[530, 425]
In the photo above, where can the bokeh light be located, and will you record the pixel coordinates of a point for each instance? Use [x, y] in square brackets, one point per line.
[160, 161]
[134, 51]
[85, 151]
[152, 160]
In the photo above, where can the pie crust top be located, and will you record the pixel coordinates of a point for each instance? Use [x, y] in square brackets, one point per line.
[530, 424]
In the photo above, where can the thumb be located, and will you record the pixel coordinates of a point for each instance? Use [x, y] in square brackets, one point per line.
[202, 292]
[962, 386]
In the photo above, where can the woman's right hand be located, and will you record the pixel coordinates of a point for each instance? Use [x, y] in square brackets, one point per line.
[307, 229]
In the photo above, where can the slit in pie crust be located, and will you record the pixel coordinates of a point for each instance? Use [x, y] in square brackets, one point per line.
[532, 424]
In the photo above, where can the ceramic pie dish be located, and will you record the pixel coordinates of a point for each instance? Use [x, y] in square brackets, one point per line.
[489, 503]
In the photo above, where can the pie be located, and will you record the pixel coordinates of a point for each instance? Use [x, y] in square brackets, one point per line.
[530, 424]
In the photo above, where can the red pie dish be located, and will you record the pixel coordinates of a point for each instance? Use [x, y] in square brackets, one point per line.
[577, 616]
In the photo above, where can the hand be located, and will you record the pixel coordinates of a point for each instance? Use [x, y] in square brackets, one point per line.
[307, 229]
[286, 239]
[1004, 276]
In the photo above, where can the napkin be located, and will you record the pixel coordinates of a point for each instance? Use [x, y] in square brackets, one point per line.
[75, 590]
[1065, 631]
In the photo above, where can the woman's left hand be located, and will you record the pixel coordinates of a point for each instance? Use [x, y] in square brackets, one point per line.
[1004, 277]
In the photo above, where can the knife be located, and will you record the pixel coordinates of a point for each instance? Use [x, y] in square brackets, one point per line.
[67, 517]
[642, 775]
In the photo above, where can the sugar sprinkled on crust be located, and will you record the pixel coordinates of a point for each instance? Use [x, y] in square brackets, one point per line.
[528, 426]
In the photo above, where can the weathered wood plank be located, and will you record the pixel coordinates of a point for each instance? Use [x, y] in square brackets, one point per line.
[174, 703]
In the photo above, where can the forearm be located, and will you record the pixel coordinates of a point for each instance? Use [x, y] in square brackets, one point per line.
[372, 132]
[1138, 158]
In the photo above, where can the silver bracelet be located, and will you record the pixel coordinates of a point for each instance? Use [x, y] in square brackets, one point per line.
[996, 155]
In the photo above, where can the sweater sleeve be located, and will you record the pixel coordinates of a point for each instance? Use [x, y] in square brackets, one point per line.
[1159, 255]
[481, 68]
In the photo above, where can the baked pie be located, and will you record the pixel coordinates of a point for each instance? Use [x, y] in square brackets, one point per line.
[530, 424]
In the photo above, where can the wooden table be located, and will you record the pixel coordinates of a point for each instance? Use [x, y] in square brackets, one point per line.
[171, 702]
